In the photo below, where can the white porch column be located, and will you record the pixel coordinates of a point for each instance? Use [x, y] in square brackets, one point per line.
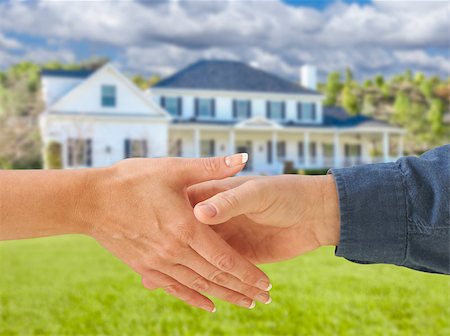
[337, 150]
[197, 143]
[274, 150]
[306, 153]
[400, 146]
[385, 146]
[231, 142]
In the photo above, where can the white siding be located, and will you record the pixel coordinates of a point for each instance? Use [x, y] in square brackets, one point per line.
[53, 88]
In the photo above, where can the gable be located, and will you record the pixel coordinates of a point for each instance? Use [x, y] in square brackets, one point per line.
[86, 98]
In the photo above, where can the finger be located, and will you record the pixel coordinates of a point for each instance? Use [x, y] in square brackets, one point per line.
[191, 279]
[192, 171]
[215, 250]
[244, 199]
[210, 273]
[174, 288]
[204, 190]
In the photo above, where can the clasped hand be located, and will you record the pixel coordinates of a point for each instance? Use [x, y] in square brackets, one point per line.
[141, 210]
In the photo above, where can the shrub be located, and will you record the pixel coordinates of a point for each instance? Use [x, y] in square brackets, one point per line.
[53, 155]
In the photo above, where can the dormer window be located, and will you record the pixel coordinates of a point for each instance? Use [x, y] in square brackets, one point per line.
[204, 108]
[172, 105]
[306, 111]
[241, 109]
[276, 110]
[108, 96]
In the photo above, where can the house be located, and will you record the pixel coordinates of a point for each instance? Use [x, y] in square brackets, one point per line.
[212, 107]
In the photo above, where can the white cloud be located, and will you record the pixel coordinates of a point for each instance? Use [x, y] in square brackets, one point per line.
[163, 36]
[9, 43]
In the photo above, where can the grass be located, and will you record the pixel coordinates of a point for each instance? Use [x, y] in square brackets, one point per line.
[71, 286]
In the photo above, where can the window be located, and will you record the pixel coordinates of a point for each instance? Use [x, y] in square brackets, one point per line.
[207, 148]
[135, 148]
[275, 110]
[79, 152]
[281, 150]
[301, 152]
[172, 105]
[179, 147]
[241, 109]
[352, 150]
[108, 96]
[306, 111]
[204, 108]
[327, 149]
[313, 150]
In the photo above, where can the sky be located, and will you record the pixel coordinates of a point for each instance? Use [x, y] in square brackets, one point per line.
[161, 37]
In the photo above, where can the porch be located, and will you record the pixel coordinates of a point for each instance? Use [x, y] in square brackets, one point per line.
[270, 149]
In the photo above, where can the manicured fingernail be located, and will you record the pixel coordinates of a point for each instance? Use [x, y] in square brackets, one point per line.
[263, 298]
[207, 209]
[236, 159]
[247, 303]
[213, 310]
[264, 285]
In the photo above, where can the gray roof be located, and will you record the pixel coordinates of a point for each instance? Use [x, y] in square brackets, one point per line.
[332, 117]
[67, 73]
[230, 76]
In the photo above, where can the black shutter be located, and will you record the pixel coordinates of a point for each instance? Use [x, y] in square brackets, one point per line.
[163, 101]
[127, 148]
[70, 152]
[88, 152]
[283, 110]
[213, 107]
[249, 109]
[144, 148]
[300, 149]
[180, 107]
[268, 110]
[313, 109]
[196, 107]
[358, 150]
[234, 109]
[313, 149]
[212, 148]
[269, 151]
[299, 111]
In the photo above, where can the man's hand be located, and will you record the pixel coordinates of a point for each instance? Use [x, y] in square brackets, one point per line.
[143, 216]
[268, 219]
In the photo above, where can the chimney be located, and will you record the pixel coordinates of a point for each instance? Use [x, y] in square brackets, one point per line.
[308, 77]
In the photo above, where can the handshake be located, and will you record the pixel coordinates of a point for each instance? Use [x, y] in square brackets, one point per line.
[185, 225]
[188, 229]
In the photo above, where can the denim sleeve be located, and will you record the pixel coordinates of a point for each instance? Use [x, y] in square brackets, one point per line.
[398, 212]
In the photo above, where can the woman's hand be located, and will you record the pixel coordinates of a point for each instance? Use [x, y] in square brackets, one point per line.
[268, 219]
[139, 210]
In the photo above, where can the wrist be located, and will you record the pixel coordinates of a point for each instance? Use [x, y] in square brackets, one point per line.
[328, 223]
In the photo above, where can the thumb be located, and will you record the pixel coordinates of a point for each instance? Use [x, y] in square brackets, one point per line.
[213, 168]
[223, 206]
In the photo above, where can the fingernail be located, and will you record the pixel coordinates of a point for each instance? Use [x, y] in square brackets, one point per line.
[247, 303]
[264, 285]
[263, 298]
[213, 310]
[207, 209]
[236, 159]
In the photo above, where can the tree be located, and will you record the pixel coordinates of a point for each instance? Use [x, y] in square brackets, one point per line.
[368, 107]
[379, 80]
[435, 115]
[332, 88]
[350, 100]
[348, 76]
[402, 107]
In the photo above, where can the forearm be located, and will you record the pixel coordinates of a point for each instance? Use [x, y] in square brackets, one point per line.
[37, 203]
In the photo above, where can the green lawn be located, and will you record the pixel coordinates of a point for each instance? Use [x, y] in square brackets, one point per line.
[71, 286]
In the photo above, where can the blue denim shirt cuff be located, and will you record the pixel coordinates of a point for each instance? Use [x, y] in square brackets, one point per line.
[373, 223]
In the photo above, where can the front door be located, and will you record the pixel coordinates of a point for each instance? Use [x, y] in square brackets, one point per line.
[246, 147]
